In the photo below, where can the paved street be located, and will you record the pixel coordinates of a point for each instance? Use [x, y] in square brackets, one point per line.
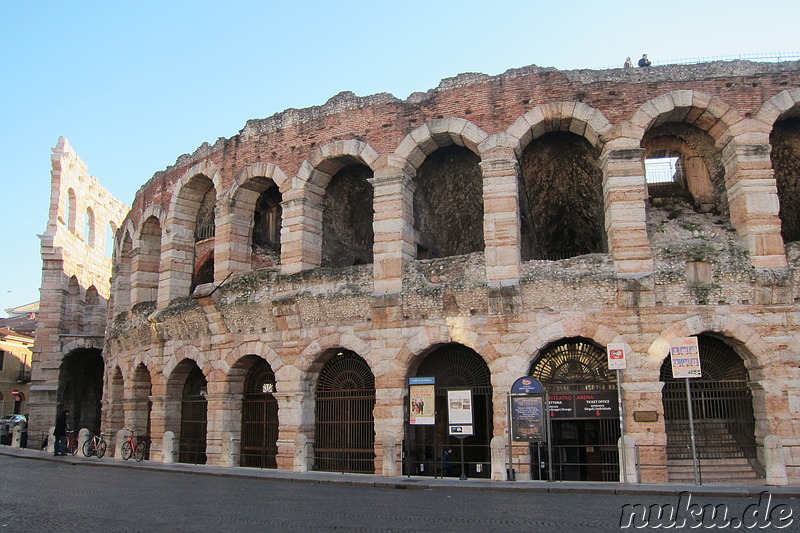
[58, 495]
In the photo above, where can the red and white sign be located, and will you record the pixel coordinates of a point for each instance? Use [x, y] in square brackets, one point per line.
[616, 356]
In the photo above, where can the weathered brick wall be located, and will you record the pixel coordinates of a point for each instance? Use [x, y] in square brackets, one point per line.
[660, 269]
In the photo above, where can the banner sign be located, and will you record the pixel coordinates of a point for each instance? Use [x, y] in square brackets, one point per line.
[685, 357]
[595, 404]
[459, 410]
[616, 356]
[527, 414]
[422, 401]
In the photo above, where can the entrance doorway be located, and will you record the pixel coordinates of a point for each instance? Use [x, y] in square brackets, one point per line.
[345, 427]
[259, 418]
[194, 421]
[455, 367]
[80, 388]
[584, 439]
[722, 406]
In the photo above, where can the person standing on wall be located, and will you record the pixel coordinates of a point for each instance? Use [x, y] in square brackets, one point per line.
[644, 62]
[60, 433]
[628, 63]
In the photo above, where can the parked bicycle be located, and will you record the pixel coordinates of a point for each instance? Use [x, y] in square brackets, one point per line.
[133, 446]
[72, 442]
[95, 446]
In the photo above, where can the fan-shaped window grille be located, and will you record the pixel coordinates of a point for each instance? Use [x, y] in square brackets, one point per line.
[345, 427]
[456, 366]
[346, 371]
[573, 364]
[260, 379]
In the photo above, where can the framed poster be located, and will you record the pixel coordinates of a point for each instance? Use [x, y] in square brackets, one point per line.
[422, 401]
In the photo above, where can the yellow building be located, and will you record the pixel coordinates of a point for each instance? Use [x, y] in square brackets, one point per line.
[15, 371]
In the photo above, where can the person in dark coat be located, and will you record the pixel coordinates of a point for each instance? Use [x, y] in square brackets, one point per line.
[644, 62]
[60, 433]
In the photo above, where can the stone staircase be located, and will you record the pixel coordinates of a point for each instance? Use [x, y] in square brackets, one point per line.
[721, 458]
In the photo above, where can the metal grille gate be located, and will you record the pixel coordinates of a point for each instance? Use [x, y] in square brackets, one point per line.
[722, 405]
[259, 418]
[454, 366]
[345, 427]
[194, 419]
[583, 449]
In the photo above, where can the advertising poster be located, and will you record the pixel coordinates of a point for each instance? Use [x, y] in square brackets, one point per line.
[684, 354]
[421, 397]
[459, 405]
[527, 414]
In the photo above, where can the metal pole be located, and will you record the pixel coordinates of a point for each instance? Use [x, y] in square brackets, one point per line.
[691, 432]
[549, 438]
[622, 425]
[511, 475]
[463, 471]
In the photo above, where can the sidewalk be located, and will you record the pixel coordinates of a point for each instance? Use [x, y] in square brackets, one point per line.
[413, 482]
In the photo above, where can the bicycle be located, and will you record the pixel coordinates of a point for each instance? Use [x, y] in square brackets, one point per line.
[133, 447]
[72, 442]
[95, 446]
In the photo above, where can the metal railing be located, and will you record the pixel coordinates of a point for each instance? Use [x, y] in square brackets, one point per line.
[715, 463]
[431, 461]
[770, 57]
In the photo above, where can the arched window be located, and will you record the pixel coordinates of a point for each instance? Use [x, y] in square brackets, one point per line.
[71, 210]
[88, 227]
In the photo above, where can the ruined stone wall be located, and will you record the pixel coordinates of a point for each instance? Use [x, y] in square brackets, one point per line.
[645, 271]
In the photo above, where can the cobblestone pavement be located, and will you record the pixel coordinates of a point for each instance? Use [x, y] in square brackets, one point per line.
[63, 495]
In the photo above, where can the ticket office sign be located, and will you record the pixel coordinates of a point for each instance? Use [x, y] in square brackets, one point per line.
[595, 404]
[684, 354]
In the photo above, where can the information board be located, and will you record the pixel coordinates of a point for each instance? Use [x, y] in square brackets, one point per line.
[684, 354]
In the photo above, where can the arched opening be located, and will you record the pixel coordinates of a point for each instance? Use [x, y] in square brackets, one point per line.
[194, 415]
[584, 439]
[722, 408]
[204, 272]
[148, 261]
[142, 407]
[267, 226]
[785, 155]
[204, 227]
[94, 311]
[80, 388]
[344, 427]
[561, 198]
[347, 216]
[122, 276]
[72, 317]
[109, 246]
[88, 227]
[259, 417]
[448, 204]
[454, 366]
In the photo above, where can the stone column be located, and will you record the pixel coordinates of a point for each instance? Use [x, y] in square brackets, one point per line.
[388, 415]
[393, 227]
[301, 232]
[501, 223]
[625, 194]
[753, 202]
[232, 247]
[177, 264]
[165, 416]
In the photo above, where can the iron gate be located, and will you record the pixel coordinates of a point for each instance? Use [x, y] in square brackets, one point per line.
[584, 449]
[345, 427]
[194, 419]
[722, 406]
[454, 367]
[259, 418]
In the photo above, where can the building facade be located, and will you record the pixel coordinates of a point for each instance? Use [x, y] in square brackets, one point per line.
[15, 371]
[272, 294]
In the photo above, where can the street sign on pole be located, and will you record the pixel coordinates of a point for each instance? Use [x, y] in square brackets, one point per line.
[684, 353]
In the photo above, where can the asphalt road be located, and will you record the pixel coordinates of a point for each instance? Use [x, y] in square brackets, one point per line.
[57, 495]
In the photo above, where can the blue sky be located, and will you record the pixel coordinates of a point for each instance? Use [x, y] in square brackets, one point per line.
[134, 85]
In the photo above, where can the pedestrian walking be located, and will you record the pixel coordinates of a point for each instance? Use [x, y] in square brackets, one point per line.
[60, 433]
